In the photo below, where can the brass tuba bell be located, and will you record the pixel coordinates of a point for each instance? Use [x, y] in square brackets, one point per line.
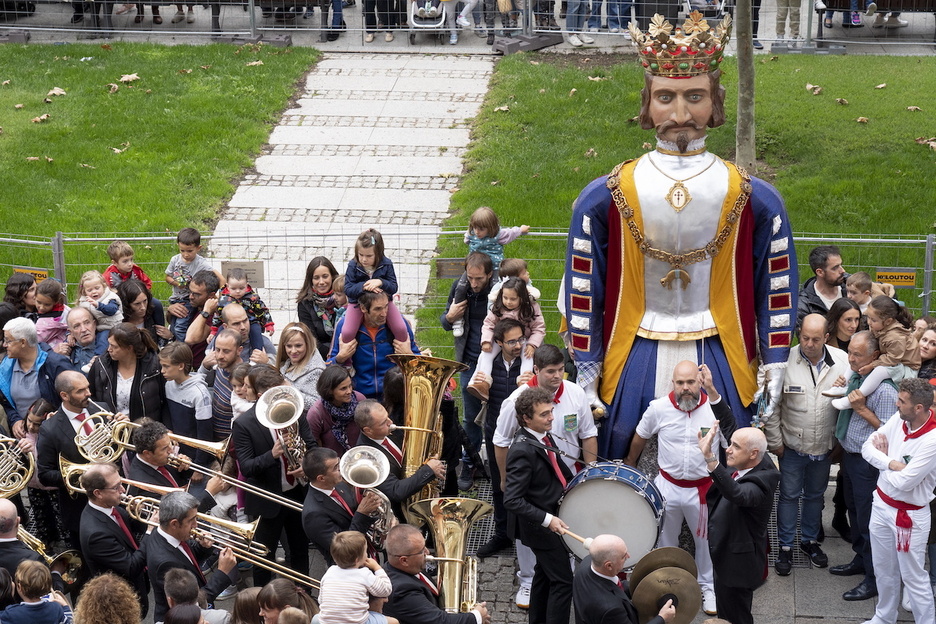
[365, 467]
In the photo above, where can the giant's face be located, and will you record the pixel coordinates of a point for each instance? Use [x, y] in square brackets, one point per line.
[681, 108]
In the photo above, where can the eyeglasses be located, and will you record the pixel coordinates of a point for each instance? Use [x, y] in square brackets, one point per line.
[424, 551]
[116, 488]
[515, 342]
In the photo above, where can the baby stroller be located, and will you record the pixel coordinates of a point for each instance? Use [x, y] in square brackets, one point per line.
[421, 18]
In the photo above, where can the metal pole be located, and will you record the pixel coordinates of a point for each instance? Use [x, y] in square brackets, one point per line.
[58, 257]
[928, 272]
[251, 7]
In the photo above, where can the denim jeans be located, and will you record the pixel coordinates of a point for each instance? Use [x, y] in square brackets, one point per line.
[471, 408]
[800, 475]
[618, 14]
[575, 15]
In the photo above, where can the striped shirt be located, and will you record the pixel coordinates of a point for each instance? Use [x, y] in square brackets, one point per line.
[346, 592]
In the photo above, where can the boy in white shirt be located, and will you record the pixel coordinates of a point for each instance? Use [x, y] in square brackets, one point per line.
[354, 588]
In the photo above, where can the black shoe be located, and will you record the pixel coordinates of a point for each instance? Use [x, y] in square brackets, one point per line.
[851, 568]
[815, 554]
[332, 35]
[466, 476]
[77, 17]
[865, 590]
[758, 45]
[840, 524]
[784, 563]
[490, 39]
[493, 546]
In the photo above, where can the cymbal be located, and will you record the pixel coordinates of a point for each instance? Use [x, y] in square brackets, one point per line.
[668, 582]
[662, 558]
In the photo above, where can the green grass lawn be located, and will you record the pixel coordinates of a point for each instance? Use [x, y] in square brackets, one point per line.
[552, 123]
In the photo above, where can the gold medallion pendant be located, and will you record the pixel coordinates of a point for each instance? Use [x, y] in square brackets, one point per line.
[678, 196]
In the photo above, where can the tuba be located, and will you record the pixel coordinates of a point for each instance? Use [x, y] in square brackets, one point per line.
[365, 467]
[280, 409]
[450, 520]
[424, 381]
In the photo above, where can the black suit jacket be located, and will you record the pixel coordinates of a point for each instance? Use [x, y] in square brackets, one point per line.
[322, 517]
[254, 446]
[15, 552]
[57, 437]
[161, 557]
[532, 489]
[106, 548]
[599, 601]
[738, 515]
[147, 474]
[413, 603]
[395, 487]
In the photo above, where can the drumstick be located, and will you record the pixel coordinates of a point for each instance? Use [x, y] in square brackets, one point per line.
[586, 541]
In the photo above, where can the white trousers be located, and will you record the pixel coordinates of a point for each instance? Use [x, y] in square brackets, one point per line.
[684, 503]
[892, 567]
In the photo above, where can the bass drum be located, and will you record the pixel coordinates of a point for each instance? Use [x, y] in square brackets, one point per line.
[609, 497]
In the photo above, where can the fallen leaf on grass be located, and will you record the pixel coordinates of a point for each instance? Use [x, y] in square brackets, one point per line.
[842, 101]
[598, 78]
[1, 129]
[883, 85]
[573, 92]
[6, 82]
[591, 153]
[32, 158]
[47, 101]
[862, 120]
[147, 247]
[634, 119]
[129, 78]
[495, 182]
[542, 90]
[112, 88]
[106, 46]
[254, 63]
[646, 145]
[535, 175]
[56, 91]
[40, 118]
[927, 141]
[86, 166]
[117, 150]
[185, 71]
[575, 169]
[205, 66]
[48, 159]
[17, 106]
[816, 89]
[534, 63]
[502, 109]
[914, 109]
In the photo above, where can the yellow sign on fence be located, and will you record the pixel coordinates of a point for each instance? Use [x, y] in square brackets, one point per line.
[900, 278]
[38, 274]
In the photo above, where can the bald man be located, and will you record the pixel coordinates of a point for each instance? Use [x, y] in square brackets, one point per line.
[683, 479]
[597, 593]
[13, 551]
[739, 502]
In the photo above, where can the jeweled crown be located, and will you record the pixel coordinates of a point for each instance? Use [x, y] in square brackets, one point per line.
[691, 50]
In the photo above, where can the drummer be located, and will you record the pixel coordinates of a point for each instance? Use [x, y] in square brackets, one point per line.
[573, 430]
[683, 480]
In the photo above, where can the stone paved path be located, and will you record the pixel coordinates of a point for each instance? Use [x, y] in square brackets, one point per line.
[374, 140]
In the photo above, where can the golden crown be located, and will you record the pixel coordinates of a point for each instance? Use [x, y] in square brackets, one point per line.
[692, 50]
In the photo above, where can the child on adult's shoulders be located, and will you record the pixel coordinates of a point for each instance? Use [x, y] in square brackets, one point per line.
[122, 267]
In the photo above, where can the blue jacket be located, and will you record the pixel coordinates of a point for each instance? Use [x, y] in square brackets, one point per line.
[49, 364]
[370, 358]
[355, 277]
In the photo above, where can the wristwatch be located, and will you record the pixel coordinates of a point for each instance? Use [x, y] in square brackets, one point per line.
[709, 460]
[205, 315]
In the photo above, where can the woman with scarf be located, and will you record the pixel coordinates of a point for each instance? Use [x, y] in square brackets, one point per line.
[316, 302]
[332, 416]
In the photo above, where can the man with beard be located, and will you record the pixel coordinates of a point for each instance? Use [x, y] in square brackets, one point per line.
[678, 255]
[825, 287]
[85, 341]
[683, 481]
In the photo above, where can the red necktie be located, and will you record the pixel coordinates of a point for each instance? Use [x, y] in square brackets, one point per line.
[86, 427]
[392, 448]
[341, 502]
[191, 556]
[289, 478]
[553, 460]
[165, 473]
[734, 475]
[425, 580]
[123, 526]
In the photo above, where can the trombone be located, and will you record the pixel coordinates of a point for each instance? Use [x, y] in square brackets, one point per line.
[120, 430]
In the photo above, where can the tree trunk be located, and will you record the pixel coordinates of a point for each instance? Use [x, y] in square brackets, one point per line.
[744, 133]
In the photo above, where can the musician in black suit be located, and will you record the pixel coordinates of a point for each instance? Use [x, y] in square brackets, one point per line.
[375, 424]
[13, 551]
[107, 532]
[323, 515]
[739, 502]
[57, 437]
[264, 464]
[169, 547]
[599, 595]
[415, 598]
[535, 480]
[151, 464]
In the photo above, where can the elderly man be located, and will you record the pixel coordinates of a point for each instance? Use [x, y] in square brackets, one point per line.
[85, 341]
[853, 428]
[801, 435]
[683, 481]
[599, 595]
[904, 451]
[827, 284]
[27, 373]
[368, 353]
[740, 501]
[170, 546]
[415, 598]
[678, 255]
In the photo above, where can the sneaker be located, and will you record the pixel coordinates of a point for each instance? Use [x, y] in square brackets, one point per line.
[871, 9]
[227, 593]
[467, 472]
[190, 16]
[856, 19]
[815, 554]
[838, 391]
[593, 30]
[627, 35]
[585, 38]
[523, 597]
[819, 5]
[388, 37]
[708, 601]
[758, 45]
[895, 22]
[462, 21]
[784, 564]
[490, 39]
[905, 600]
[421, 12]
[178, 17]
[432, 11]
[453, 39]
[574, 41]
[614, 30]
[369, 37]
[493, 546]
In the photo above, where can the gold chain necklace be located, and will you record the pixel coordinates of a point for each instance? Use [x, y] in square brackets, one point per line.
[678, 196]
